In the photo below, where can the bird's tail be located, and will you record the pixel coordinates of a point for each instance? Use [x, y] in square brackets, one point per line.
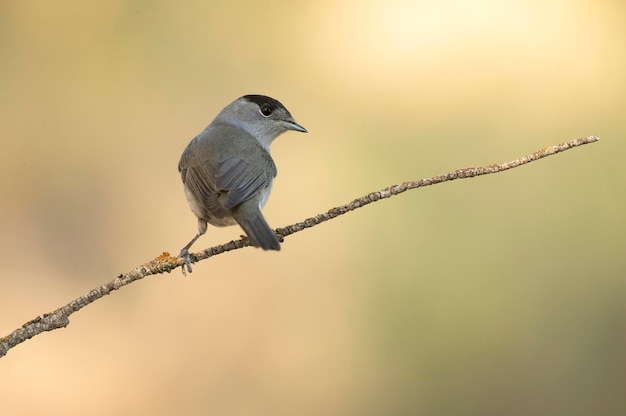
[259, 232]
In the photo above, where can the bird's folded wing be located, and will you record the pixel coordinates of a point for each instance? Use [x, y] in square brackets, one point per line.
[240, 180]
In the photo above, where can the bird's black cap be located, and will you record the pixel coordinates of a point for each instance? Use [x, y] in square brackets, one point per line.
[263, 99]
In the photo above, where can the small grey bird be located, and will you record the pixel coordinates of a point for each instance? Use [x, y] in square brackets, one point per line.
[227, 170]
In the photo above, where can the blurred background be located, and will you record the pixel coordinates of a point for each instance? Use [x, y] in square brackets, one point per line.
[490, 296]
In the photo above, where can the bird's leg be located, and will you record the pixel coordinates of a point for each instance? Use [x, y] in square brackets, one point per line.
[184, 253]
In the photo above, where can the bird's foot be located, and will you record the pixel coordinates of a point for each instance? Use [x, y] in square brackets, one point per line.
[184, 253]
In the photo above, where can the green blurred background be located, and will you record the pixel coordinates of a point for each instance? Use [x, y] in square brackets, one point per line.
[503, 295]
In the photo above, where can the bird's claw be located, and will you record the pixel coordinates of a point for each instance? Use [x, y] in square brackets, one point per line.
[184, 253]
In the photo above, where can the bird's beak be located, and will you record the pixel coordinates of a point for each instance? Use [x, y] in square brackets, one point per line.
[291, 124]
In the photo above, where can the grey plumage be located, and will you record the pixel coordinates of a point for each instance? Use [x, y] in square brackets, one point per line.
[227, 170]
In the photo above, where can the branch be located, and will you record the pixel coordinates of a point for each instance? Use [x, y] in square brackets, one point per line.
[166, 263]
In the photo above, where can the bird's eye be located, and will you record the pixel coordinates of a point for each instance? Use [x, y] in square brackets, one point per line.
[266, 110]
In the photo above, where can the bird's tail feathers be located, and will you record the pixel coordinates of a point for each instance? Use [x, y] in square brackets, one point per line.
[259, 232]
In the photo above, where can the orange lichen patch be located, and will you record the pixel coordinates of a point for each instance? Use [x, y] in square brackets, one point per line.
[165, 256]
[164, 262]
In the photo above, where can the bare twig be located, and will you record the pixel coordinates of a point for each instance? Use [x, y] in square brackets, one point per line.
[166, 263]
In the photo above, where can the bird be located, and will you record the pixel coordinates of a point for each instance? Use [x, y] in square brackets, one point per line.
[227, 170]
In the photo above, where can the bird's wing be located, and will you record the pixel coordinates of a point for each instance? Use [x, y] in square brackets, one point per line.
[242, 181]
[233, 177]
[222, 185]
[201, 183]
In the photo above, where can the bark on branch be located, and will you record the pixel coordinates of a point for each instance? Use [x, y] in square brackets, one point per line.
[166, 263]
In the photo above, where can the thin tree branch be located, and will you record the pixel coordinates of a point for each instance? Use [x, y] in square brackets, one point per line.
[166, 263]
